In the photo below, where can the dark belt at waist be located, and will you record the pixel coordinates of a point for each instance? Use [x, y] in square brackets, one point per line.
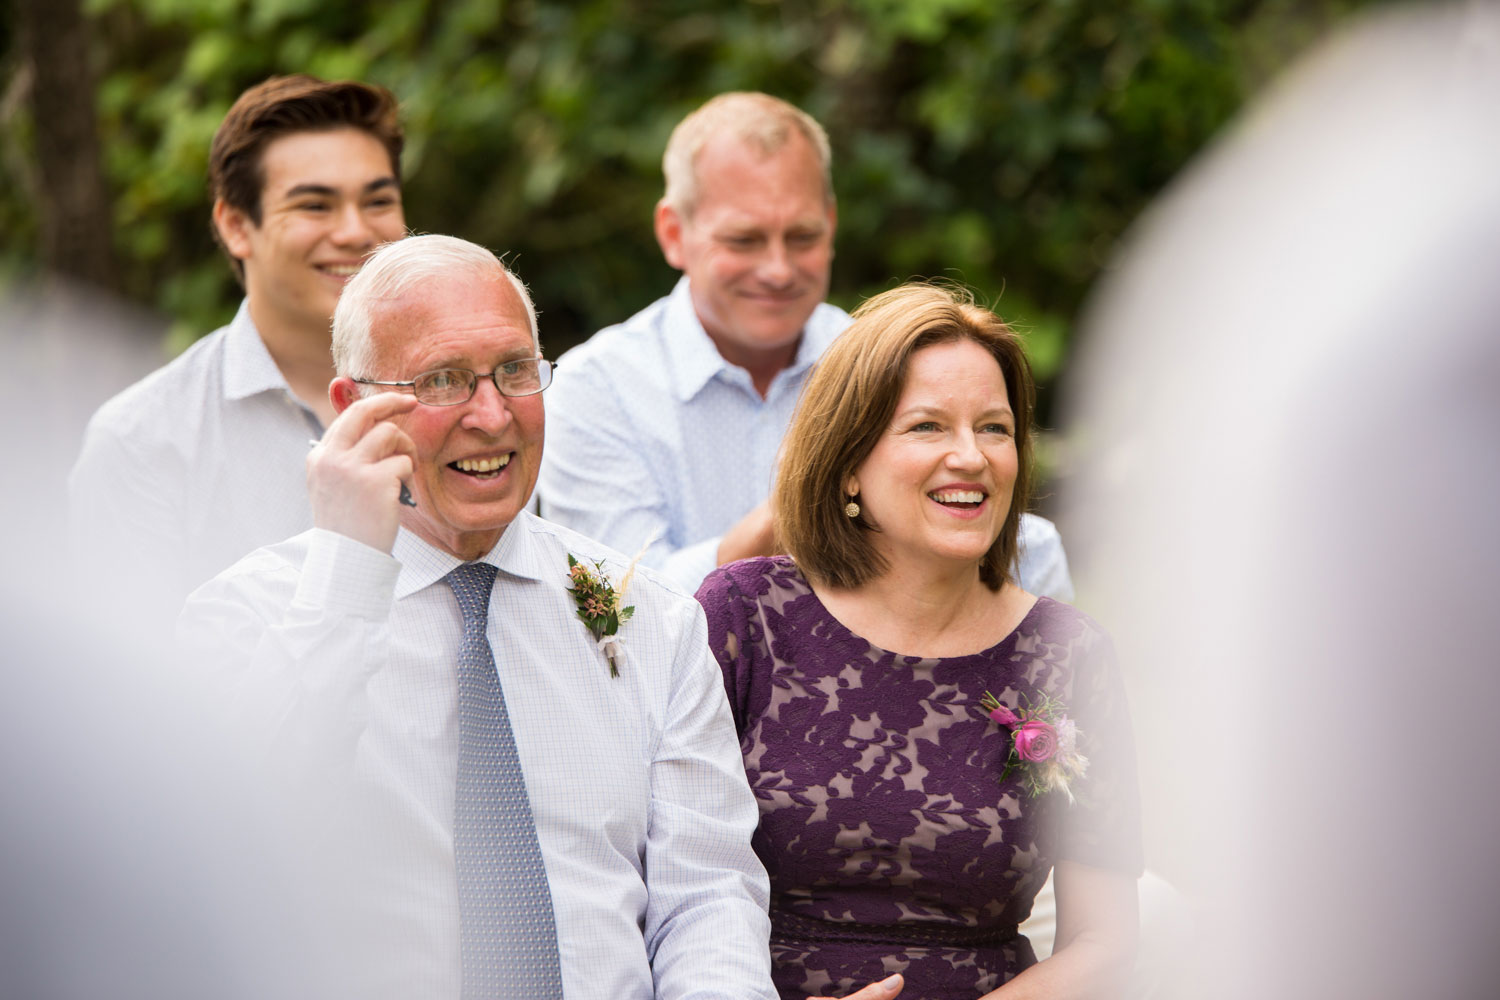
[913, 933]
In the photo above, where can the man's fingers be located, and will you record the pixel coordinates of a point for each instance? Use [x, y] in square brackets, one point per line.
[398, 467]
[356, 472]
[355, 422]
[382, 440]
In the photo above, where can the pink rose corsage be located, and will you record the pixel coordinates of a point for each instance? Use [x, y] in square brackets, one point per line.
[1043, 744]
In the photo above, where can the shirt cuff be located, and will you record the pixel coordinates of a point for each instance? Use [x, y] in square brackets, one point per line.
[347, 577]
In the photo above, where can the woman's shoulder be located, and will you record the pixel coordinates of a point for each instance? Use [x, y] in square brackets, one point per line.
[1058, 626]
[751, 579]
[1051, 612]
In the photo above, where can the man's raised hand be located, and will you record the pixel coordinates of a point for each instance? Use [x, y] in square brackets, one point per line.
[354, 474]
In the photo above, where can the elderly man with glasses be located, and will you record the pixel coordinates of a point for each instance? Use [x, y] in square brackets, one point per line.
[542, 733]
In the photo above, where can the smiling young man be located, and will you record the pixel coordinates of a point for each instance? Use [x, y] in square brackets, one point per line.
[628, 870]
[203, 460]
[667, 426]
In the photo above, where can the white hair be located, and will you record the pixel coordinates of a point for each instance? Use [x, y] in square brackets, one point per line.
[760, 120]
[397, 268]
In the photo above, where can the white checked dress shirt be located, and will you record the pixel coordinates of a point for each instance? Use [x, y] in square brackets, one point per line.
[199, 463]
[651, 432]
[636, 782]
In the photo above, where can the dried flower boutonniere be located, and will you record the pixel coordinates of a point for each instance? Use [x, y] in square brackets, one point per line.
[1043, 745]
[599, 607]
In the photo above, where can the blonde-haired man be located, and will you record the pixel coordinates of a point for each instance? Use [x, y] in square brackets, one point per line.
[666, 427]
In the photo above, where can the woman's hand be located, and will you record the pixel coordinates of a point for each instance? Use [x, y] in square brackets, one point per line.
[883, 990]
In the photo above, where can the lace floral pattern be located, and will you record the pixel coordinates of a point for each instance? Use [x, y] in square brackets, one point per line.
[891, 842]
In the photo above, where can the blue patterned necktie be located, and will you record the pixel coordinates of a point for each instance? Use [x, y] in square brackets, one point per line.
[508, 935]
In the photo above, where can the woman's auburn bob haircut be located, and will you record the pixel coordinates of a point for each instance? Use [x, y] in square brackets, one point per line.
[848, 404]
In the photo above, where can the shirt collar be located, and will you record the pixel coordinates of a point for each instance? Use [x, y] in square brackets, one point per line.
[248, 366]
[692, 356]
[516, 554]
[815, 340]
[695, 361]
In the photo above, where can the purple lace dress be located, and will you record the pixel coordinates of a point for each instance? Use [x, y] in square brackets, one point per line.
[891, 842]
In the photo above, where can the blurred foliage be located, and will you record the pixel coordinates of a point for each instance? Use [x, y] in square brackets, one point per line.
[1004, 144]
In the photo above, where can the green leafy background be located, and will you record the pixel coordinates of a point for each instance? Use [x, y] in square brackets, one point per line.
[1003, 144]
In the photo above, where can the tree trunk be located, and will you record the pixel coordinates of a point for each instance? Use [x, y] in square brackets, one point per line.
[77, 232]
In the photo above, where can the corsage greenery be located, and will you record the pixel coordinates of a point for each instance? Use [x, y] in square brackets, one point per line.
[599, 607]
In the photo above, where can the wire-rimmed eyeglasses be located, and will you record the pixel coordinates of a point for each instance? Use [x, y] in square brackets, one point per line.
[451, 386]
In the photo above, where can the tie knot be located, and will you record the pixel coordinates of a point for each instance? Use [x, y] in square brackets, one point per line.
[472, 583]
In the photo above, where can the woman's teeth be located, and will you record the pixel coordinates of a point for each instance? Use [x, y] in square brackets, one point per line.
[957, 496]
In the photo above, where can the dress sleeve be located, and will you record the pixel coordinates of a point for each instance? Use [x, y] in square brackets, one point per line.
[733, 634]
[1102, 828]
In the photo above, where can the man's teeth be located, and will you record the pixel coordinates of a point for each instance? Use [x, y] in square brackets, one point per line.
[481, 464]
[957, 496]
[342, 270]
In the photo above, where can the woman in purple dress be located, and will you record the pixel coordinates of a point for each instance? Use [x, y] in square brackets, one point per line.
[925, 739]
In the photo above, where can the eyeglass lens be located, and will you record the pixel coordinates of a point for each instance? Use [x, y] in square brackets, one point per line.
[450, 386]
